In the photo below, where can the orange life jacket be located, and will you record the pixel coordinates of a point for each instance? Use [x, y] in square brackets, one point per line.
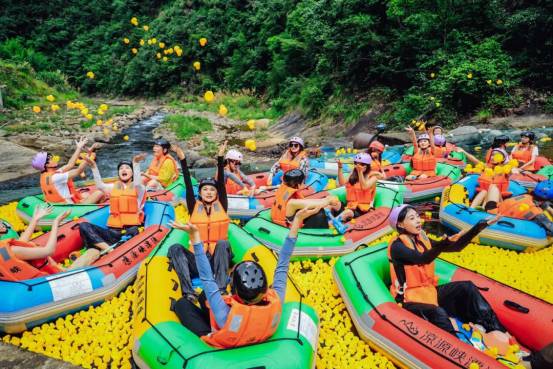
[287, 163]
[356, 197]
[123, 206]
[233, 187]
[156, 165]
[424, 163]
[246, 324]
[11, 267]
[50, 192]
[440, 152]
[420, 280]
[519, 207]
[500, 180]
[524, 155]
[213, 226]
[282, 195]
[376, 166]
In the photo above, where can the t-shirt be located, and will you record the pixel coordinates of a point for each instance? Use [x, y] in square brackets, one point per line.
[166, 173]
[60, 179]
[535, 151]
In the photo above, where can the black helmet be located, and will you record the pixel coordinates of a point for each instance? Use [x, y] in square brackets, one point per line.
[528, 134]
[249, 282]
[500, 140]
[293, 178]
[209, 181]
[163, 143]
[124, 162]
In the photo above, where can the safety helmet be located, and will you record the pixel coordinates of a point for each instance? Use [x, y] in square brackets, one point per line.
[293, 178]
[163, 143]
[363, 158]
[234, 155]
[249, 282]
[437, 127]
[376, 146]
[439, 140]
[528, 134]
[39, 161]
[423, 136]
[500, 140]
[209, 181]
[394, 214]
[298, 140]
[124, 162]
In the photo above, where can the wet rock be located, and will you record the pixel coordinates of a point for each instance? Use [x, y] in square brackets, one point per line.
[394, 138]
[192, 157]
[205, 163]
[361, 140]
[16, 160]
[526, 121]
[464, 134]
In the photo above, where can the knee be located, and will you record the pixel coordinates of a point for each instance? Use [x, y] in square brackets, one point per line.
[85, 227]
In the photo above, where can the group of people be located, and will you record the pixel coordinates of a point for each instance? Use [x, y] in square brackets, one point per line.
[218, 317]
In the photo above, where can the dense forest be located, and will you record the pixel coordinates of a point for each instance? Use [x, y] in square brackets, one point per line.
[446, 58]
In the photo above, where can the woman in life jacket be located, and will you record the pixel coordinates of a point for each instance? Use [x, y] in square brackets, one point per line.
[209, 214]
[24, 249]
[57, 182]
[360, 186]
[289, 200]
[493, 182]
[414, 283]
[163, 169]
[526, 152]
[222, 322]
[235, 180]
[127, 197]
[295, 157]
[423, 160]
[375, 150]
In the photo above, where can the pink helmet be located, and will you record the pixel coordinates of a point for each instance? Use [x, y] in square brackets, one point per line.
[394, 214]
[439, 140]
[363, 158]
[234, 155]
[377, 146]
[298, 140]
[40, 160]
[423, 136]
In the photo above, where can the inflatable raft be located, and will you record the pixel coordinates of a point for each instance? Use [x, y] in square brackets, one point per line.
[363, 279]
[317, 243]
[546, 171]
[26, 206]
[509, 233]
[328, 165]
[245, 207]
[162, 342]
[10, 233]
[420, 189]
[31, 302]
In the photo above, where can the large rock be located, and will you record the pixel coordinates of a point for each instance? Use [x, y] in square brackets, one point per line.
[205, 163]
[16, 160]
[361, 140]
[464, 134]
[192, 157]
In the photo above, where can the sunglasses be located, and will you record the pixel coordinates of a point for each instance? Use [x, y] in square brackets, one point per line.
[235, 162]
[294, 145]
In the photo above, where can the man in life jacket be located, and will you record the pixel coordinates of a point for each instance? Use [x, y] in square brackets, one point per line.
[14, 254]
[209, 215]
[235, 180]
[414, 284]
[251, 313]
[526, 152]
[423, 160]
[57, 182]
[295, 157]
[127, 197]
[289, 200]
[163, 169]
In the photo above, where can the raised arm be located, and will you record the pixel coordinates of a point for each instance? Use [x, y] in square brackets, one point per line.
[32, 253]
[413, 137]
[71, 163]
[39, 213]
[190, 199]
[341, 177]
[431, 136]
[221, 189]
[100, 184]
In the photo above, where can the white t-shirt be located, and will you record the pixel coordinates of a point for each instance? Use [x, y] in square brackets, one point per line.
[535, 151]
[60, 179]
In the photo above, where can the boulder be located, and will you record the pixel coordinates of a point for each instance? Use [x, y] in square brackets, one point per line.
[361, 140]
[192, 157]
[205, 163]
[464, 134]
[16, 160]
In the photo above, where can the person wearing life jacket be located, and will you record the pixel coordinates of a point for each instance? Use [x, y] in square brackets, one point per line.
[14, 254]
[57, 182]
[127, 197]
[493, 182]
[295, 157]
[251, 313]
[375, 150]
[360, 186]
[440, 149]
[414, 283]
[235, 180]
[423, 160]
[209, 215]
[526, 152]
[163, 169]
[289, 200]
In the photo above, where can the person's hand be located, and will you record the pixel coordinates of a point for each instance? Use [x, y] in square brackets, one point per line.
[493, 220]
[189, 228]
[42, 211]
[360, 168]
[81, 142]
[95, 146]
[307, 212]
[333, 201]
[146, 175]
[223, 148]
[409, 129]
[87, 159]
[62, 216]
[177, 150]
[340, 165]
[139, 157]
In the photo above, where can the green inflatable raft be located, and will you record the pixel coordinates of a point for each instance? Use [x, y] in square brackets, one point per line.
[325, 243]
[10, 232]
[162, 342]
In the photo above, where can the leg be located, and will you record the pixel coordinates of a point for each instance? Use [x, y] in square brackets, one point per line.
[185, 266]
[297, 204]
[94, 198]
[318, 221]
[479, 198]
[464, 301]
[346, 215]
[89, 257]
[98, 237]
[434, 314]
[221, 262]
[192, 317]
[493, 198]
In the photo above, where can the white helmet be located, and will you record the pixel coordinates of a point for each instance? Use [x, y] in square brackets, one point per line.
[298, 140]
[234, 155]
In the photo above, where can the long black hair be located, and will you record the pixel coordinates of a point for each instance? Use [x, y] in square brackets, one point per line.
[401, 217]
[354, 177]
